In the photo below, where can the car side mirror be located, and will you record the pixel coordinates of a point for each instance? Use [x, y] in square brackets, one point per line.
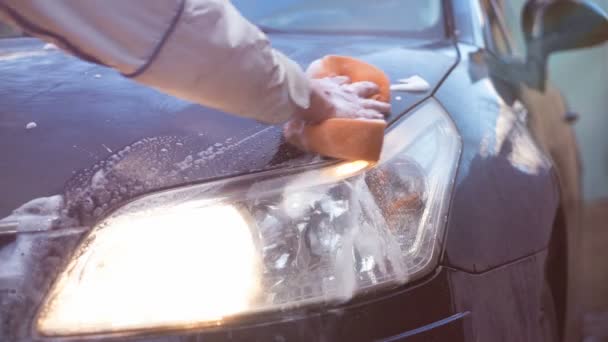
[559, 26]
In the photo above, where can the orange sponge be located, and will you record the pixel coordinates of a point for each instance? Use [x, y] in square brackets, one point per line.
[350, 139]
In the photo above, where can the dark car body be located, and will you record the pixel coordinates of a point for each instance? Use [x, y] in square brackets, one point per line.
[511, 227]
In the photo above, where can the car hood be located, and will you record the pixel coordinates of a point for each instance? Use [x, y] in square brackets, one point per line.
[100, 140]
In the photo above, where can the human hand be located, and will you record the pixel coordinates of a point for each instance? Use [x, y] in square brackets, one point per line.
[337, 97]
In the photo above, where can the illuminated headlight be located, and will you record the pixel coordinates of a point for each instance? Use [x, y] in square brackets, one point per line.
[201, 255]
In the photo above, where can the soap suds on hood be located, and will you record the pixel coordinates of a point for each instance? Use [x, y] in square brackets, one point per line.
[39, 214]
[411, 84]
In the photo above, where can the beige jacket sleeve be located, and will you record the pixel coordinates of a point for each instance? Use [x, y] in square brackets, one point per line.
[199, 50]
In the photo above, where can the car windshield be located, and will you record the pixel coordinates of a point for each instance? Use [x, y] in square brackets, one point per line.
[416, 18]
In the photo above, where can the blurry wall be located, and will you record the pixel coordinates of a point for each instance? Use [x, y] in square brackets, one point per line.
[583, 78]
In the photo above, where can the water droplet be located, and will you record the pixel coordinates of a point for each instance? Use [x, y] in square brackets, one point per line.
[97, 212]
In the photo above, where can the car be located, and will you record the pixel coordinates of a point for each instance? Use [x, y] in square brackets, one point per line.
[133, 215]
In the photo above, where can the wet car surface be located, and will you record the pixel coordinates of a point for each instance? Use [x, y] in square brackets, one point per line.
[158, 136]
[102, 141]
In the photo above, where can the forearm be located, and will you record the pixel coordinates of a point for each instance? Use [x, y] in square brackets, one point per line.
[199, 50]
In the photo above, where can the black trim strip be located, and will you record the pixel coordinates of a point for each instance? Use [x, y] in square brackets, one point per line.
[428, 327]
[37, 30]
[163, 40]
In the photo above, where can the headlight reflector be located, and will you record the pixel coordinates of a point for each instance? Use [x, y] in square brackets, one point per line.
[196, 256]
[196, 274]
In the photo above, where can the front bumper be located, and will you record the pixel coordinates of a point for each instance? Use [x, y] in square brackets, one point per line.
[419, 313]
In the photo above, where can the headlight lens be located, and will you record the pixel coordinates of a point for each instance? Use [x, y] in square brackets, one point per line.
[199, 255]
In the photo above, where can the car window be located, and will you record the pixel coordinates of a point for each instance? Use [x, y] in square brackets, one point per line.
[414, 17]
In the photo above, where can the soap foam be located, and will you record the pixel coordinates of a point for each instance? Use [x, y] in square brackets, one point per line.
[39, 214]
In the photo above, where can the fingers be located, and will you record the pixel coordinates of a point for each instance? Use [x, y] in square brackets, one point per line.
[378, 106]
[340, 80]
[336, 97]
[369, 114]
[363, 89]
